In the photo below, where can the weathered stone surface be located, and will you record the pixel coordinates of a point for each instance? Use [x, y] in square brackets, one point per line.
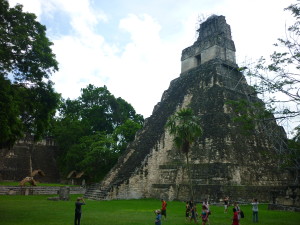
[224, 161]
[214, 41]
[64, 193]
[15, 162]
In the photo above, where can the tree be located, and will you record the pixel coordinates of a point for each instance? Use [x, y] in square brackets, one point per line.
[186, 129]
[28, 100]
[93, 130]
[125, 133]
[278, 82]
[281, 73]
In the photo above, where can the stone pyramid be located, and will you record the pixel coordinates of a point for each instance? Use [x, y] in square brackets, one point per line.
[224, 161]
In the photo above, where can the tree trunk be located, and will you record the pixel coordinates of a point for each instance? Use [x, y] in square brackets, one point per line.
[189, 176]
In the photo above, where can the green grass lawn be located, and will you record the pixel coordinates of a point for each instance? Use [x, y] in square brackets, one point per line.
[37, 210]
[14, 183]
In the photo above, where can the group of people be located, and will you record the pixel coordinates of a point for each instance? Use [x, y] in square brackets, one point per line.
[191, 213]
[238, 213]
[159, 213]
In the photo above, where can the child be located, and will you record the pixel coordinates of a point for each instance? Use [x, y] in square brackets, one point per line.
[158, 217]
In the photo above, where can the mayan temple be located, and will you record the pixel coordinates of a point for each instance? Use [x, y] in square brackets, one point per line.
[224, 161]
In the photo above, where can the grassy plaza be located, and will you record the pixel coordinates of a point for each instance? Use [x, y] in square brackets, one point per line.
[37, 210]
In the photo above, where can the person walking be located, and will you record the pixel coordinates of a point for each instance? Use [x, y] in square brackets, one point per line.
[164, 208]
[78, 205]
[158, 217]
[206, 204]
[193, 212]
[255, 211]
[204, 215]
[187, 210]
[226, 203]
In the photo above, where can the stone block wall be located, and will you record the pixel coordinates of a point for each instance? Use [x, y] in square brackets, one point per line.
[15, 162]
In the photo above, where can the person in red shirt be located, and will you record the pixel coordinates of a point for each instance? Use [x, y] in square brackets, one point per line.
[164, 208]
[235, 218]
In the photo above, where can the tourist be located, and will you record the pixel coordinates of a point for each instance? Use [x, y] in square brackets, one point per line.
[204, 215]
[206, 204]
[187, 210]
[255, 211]
[238, 210]
[158, 217]
[78, 205]
[235, 218]
[164, 208]
[193, 212]
[226, 204]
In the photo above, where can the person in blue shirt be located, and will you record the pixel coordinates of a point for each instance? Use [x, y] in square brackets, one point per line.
[158, 217]
[78, 205]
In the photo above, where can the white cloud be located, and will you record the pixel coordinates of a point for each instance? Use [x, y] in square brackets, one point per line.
[142, 69]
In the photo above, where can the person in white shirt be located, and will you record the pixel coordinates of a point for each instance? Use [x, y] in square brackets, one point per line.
[255, 211]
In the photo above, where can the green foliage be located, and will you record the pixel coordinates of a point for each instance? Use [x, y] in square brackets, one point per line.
[11, 124]
[125, 133]
[93, 130]
[277, 80]
[100, 155]
[185, 127]
[281, 73]
[134, 212]
[248, 114]
[28, 101]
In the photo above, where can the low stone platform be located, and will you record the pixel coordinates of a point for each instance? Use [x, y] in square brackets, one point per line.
[37, 190]
[283, 208]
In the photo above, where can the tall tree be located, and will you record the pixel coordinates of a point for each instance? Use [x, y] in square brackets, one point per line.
[26, 62]
[93, 130]
[278, 79]
[278, 83]
[186, 129]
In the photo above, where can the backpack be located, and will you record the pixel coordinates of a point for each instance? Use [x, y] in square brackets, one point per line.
[242, 214]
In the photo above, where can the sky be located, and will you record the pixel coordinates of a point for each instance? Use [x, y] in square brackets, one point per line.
[134, 46]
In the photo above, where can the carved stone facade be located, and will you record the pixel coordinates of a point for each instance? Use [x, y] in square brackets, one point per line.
[214, 42]
[224, 161]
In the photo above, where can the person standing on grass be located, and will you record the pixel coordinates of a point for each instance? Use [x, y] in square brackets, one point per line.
[164, 208]
[193, 211]
[226, 204]
[78, 205]
[238, 209]
[204, 215]
[235, 218]
[158, 217]
[187, 210]
[206, 204]
[255, 211]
